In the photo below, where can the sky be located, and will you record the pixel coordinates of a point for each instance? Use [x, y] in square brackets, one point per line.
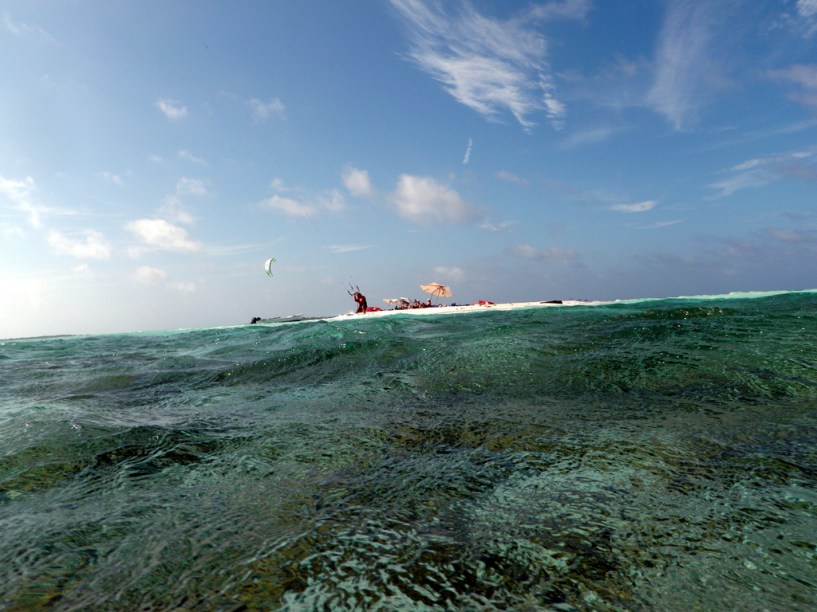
[154, 154]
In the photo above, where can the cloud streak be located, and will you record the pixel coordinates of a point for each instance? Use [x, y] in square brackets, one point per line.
[638, 207]
[761, 171]
[489, 65]
[804, 76]
[686, 65]
[26, 30]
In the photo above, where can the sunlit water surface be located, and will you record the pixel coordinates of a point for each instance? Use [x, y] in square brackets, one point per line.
[652, 455]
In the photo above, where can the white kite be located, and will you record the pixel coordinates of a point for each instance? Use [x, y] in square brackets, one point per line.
[268, 266]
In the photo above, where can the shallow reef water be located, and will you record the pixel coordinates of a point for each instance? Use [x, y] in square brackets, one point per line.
[642, 455]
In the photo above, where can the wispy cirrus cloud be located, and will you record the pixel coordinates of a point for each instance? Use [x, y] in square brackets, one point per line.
[467, 157]
[761, 171]
[590, 136]
[26, 30]
[807, 15]
[510, 177]
[804, 76]
[348, 248]
[638, 207]
[688, 67]
[493, 66]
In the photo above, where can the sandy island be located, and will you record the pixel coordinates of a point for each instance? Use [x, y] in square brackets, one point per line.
[465, 308]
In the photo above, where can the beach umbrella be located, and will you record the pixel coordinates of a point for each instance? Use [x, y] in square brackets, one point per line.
[437, 289]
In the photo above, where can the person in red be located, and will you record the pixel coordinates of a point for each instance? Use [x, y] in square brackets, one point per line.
[358, 297]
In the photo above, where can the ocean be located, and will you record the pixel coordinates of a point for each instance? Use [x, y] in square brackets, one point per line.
[657, 454]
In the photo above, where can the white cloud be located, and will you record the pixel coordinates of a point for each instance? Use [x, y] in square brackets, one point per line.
[807, 12]
[424, 201]
[687, 65]
[20, 194]
[303, 205]
[23, 295]
[496, 227]
[635, 208]
[467, 157]
[452, 274]
[660, 224]
[590, 136]
[261, 111]
[357, 182]
[789, 235]
[348, 248]
[188, 186]
[510, 177]
[173, 209]
[189, 157]
[761, 171]
[111, 178]
[26, 30]
[94, 246]
[288, 206]
[554, 255]
[332, 201]
[183, 287]
[159, 234]
[149, 276]
[491, 66]
[8, 231]
[567, 9]
[172, 109]
[803, 75]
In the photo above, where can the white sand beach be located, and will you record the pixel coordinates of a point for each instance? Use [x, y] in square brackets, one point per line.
[466, 308]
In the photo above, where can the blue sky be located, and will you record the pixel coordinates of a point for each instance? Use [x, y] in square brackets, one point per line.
[154, 154]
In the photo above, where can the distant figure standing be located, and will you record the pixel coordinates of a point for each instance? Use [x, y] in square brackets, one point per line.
[358, 297]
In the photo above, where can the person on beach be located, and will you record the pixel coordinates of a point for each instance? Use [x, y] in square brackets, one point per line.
[358, 297]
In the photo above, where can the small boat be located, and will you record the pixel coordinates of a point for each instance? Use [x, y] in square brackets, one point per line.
[295, 317]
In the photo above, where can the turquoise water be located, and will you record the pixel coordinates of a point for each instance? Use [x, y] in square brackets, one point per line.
[643, 455]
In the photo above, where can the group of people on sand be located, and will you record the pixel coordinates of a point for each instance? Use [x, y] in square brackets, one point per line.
[406, 304]
[403, 304]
